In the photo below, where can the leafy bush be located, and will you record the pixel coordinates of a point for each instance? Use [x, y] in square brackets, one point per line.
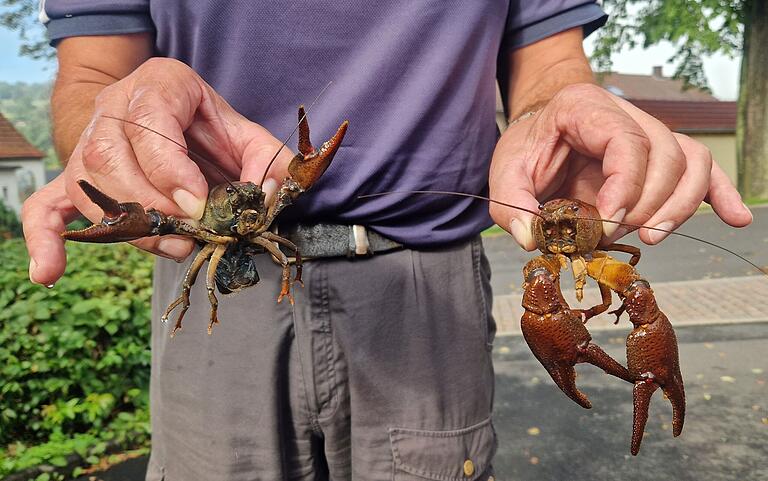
[9, 222]
[74, 360]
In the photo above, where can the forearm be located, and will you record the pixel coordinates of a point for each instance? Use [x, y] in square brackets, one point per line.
[84, 71]
[530, 76]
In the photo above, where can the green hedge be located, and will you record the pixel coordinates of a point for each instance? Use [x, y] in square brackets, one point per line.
[74, 360]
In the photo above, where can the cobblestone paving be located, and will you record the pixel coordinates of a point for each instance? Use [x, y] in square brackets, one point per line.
[707, 301]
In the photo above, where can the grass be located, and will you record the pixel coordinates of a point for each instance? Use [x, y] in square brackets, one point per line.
[493, 231]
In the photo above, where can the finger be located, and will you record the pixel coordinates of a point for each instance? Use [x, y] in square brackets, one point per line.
[265, 153]
[44, 216]
[688, 194]
[665, 166]
[725, 199]
[155, 134]
[594, 125]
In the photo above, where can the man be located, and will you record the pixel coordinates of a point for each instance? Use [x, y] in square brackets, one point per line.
[382, 370]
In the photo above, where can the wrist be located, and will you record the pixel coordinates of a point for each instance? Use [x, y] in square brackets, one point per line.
[532, 75]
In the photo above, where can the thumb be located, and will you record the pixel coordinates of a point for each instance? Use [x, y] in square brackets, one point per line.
[516, 190]
[265, 161]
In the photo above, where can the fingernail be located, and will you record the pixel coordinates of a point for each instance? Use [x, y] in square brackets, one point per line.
[190, 204]
[751, 217]
[609, 228]
[175, 248]
[521, 231]
[269, 188]
[658, 236]
[32, 269]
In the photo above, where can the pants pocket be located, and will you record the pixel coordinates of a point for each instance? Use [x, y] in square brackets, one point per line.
[458, 455]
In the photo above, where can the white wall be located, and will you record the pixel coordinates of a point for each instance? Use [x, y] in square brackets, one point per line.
[9, 179]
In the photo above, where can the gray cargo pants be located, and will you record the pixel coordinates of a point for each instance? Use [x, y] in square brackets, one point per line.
[381, 371]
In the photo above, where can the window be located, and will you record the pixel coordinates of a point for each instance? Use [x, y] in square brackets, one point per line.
[26, 182]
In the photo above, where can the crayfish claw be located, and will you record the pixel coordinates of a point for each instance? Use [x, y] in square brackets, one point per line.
[310, 163]
[122, 221]
[305, 145]
[642, 393]
[110, 206]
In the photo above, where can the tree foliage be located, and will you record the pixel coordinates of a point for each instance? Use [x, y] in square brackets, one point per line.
[27, 107]
[74, 360]
[21, 16]
[697, 28]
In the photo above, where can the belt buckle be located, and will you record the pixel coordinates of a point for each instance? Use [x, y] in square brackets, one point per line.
[359, 244]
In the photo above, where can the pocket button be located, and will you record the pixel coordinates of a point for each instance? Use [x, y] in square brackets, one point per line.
[469, 467]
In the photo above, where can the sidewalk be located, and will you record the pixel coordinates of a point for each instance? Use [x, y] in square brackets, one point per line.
[707, 301]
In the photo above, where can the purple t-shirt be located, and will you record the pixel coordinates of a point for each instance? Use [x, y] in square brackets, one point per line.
[415, 79]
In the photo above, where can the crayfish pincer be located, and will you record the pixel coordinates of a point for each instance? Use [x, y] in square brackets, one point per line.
[234, 226]
[556, 333]
[571, 229]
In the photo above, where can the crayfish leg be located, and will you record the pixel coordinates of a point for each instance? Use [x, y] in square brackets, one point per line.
[285, 284]
[186, 287]
[290, 245]
[210, 284]
[641, 394]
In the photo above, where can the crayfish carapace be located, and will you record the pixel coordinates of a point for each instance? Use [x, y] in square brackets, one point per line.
[572, 229]
[234, 225]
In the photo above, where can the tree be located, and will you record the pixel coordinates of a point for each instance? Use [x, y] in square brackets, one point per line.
[21, 16]
[699, 28]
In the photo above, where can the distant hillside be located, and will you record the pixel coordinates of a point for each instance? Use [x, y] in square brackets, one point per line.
[27, 106]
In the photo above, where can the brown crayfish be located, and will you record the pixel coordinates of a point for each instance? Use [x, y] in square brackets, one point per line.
[233, 228]
[566, 230]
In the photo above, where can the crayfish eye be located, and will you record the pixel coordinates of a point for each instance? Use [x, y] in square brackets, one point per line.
[230, 189]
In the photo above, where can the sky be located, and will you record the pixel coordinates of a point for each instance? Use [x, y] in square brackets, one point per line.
[722, 72]
[15, 68]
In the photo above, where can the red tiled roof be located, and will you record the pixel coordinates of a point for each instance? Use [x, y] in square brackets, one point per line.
[650, 87]
[692, 117]
[13, 145]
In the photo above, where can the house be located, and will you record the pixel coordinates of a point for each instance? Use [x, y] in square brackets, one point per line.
[692, 112]
[22, 170]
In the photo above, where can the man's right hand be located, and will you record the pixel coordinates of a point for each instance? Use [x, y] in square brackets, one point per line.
[130, 163]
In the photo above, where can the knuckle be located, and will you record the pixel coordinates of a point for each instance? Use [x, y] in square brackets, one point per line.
[106, 95]
[99, 155]
[159, 172]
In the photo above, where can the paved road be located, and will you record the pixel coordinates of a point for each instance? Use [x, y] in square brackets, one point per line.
[545, 436]
[675, 259]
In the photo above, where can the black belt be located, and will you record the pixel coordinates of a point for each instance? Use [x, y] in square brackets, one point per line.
[335, 240]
